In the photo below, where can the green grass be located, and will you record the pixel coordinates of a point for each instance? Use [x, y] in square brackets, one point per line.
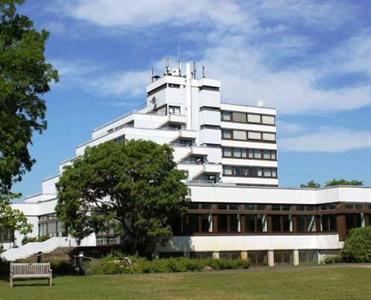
[324, 282]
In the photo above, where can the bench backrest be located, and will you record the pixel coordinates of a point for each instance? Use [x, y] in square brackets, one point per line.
[30, 269]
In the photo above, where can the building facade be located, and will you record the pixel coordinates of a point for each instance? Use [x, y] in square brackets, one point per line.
[230, 154]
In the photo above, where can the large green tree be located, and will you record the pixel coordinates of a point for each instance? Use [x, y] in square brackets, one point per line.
[132, 184]
[25, 77]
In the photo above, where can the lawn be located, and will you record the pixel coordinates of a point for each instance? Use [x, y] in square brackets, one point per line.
[323, 282]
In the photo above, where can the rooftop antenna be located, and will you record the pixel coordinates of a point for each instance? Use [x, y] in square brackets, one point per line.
[194, 69]
[152, 73]
[167, 65]
[203, 72]
[179, 63]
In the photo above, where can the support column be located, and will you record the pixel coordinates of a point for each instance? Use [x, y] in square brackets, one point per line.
[341, 226]
[296, 257]
[271, 258]
[244, 255]
[269, 224]
[216, 255]
[363, 220]
[319, 259]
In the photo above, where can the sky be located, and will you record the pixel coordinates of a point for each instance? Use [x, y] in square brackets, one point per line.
[309, 59]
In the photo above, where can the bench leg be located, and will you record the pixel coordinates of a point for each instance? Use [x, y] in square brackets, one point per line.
[11, 281]
[50, 281]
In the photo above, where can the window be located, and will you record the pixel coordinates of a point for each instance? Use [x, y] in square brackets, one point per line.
[269, 136]
[237, 152]
[254, 223]
[281, 223]
[222, 206]
[206, 206]
[306, 223]
[226, 116]
[268, 120]
[6, 236]
[257, 154]
[205, 223]
[50, 226]
[328, 223]
[174, 110]
[233, 223]
[228, 223]
[267, 154]
[253, 118]
[227, 152]
[353, 221]
[222, 223]
[239, 135]
[252, 135]
[227, 171]
[273, 155]
[227, 134]
[239, 117]
[234, 207]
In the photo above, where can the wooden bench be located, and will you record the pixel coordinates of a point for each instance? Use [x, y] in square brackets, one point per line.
[31, 270]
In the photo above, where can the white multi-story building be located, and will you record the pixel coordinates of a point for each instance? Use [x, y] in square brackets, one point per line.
[230, 154]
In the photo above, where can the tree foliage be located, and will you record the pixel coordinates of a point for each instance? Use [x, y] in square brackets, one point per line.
[357, 247]
[24, 79]
[310, 184]
[332, 182]
[133, 184]
[12, 219]
[336, 181]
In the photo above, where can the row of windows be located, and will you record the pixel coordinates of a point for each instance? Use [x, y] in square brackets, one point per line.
[232, 223]
[243, 135]
[249, 171]
[241, 117]
[249, 153]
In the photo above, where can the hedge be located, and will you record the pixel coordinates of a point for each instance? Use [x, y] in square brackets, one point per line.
[115, 265]
[357, 247]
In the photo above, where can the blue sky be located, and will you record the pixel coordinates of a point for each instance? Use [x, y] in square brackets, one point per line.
[309, 59]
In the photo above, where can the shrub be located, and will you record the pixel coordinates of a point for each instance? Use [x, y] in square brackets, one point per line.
[106, 265]
[4, 268]
[114, 265]
[357, 247]
[333, 259]
[28, 239]
[62, 268]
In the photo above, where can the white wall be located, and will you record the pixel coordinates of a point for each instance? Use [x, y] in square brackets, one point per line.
[253, 242]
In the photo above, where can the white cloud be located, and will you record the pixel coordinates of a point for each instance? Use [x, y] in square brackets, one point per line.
[327, 140]
[142, 14]
[310, 12]
[235, 53]
[286, 128]
[129, 83]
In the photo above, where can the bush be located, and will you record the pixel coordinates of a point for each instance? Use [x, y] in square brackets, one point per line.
[106, 265]
[4, 268]
[62, 268]
[333, 259]
[27, 239]
[115, 265]
[357, 247]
